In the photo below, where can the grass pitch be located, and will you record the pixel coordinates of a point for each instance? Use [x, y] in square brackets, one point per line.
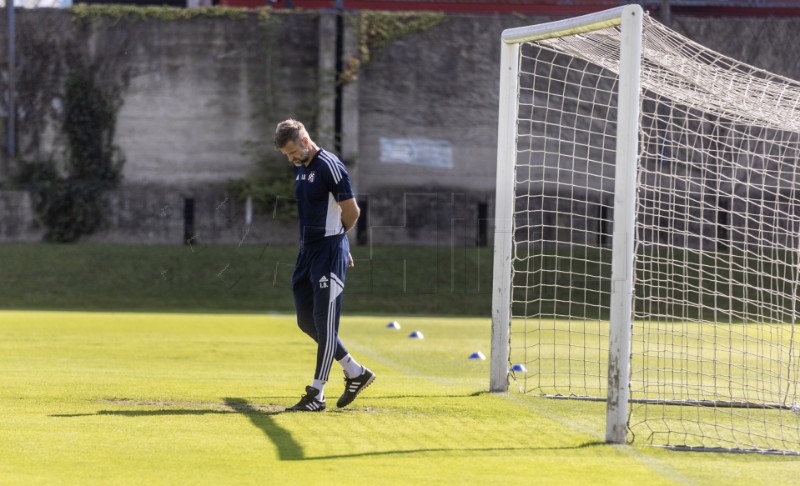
[134, 398]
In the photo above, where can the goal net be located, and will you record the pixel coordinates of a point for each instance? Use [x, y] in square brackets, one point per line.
[648, 216]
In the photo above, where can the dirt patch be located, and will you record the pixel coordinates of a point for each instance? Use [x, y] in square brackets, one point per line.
[237, 406]
[231, 406]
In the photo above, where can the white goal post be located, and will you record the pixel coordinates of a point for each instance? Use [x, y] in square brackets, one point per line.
[647, 233]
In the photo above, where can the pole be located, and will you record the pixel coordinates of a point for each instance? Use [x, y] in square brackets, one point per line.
[10, 146]
[339, 89]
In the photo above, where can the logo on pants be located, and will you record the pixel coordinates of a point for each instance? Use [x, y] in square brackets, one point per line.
[323, 283]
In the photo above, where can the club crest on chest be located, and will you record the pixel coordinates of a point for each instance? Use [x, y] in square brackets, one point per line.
[306, 177]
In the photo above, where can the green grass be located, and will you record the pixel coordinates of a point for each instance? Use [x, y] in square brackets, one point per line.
[138, 398]
[408, 280]
[392, 279]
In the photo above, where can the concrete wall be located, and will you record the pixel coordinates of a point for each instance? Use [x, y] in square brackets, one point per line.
[200, 91]
[419, 124]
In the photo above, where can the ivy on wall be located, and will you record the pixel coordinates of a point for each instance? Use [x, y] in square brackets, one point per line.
[71, 206]
[270, 185]
[377, 29]
[116, 13]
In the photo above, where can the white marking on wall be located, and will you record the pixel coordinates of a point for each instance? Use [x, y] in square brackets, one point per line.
[417, 151]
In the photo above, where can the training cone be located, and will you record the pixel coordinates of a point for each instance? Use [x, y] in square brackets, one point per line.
[477, 355]
[393, 325]
[416, 335]
[519, 368]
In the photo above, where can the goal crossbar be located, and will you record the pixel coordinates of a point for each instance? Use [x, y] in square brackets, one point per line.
[572, 26]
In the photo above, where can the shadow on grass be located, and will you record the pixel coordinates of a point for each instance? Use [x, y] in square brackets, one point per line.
[454, 449]
[289, 449]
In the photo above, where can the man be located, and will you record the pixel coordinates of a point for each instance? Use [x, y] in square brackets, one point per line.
[327, 210]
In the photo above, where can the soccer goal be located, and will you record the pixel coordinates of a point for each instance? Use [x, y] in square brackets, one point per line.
[647, 233]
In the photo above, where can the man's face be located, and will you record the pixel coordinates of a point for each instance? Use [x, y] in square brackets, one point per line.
[296, 153]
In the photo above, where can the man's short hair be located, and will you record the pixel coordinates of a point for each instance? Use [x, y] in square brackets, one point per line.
[289, 131]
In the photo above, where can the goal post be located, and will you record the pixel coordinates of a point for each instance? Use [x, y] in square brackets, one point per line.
[619, 348]
[504, 213]
[647, 233]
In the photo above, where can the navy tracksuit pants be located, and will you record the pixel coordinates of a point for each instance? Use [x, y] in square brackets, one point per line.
[317, 285]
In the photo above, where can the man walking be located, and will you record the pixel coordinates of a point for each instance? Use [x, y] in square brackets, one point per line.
[327, 209]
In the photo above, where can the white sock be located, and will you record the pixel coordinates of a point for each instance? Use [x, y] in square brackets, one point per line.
[351, 367]
[319, 385]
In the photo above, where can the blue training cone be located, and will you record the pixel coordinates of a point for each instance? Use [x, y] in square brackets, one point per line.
[477, 355]
[416, 335]
[393, 325]
[519, 368]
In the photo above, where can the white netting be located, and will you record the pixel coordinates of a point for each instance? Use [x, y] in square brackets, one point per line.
[715, 356]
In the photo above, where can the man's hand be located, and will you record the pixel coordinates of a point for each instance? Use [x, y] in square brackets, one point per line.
[350, 262]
